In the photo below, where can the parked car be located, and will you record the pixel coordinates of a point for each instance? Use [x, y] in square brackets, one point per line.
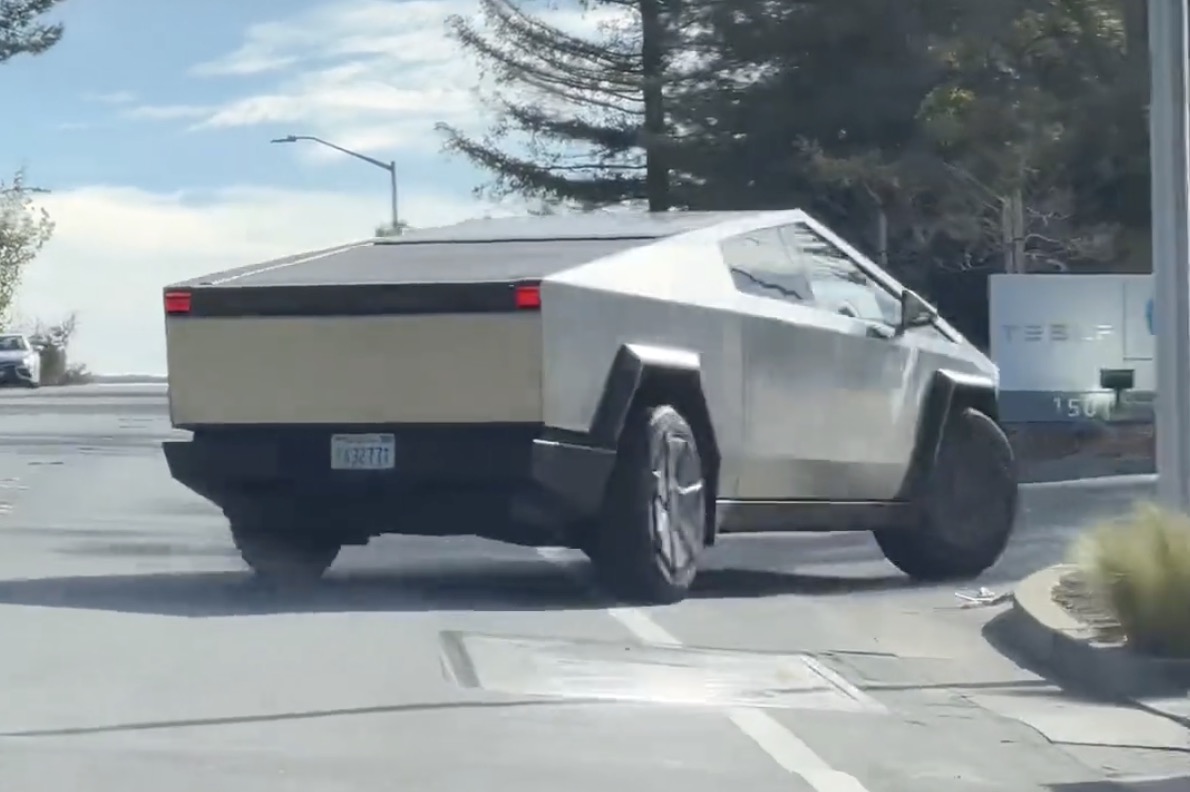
[20, 363]
[637, 387]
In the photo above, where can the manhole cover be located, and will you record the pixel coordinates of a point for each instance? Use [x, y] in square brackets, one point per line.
[648, 674]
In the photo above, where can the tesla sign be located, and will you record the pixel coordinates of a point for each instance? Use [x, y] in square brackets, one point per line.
[1056, 333]
[1051, 335]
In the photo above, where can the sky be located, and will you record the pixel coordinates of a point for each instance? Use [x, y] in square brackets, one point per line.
[150, 125]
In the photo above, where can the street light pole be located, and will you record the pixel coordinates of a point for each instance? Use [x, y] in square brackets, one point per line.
[390, 166]
[1170, 169]
[392, 183]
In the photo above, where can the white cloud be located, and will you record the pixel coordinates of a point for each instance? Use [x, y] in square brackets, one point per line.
[373, 75]
[167, 112]
[116, 247]
[369, 74]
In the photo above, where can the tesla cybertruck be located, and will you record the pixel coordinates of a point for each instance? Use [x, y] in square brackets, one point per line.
[633, 386]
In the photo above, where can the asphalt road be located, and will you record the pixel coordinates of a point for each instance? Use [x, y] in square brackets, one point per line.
[134, 655]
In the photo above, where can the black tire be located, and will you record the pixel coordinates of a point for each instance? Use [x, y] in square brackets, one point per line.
[281, 554]
[967, 506]
[654, 524]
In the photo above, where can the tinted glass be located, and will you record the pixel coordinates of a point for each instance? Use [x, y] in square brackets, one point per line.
[760, 265]
[839, 283]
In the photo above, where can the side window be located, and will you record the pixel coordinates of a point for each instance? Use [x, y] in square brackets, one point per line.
[760, 265]
[839, 284]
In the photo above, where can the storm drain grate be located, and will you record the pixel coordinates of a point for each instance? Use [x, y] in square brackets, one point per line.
[595, 670]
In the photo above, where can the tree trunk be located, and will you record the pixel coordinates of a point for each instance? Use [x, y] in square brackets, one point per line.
[653, 72]
[1136, 33]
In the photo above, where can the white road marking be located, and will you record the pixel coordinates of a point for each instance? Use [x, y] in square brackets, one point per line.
[787, 750]
[782, 745]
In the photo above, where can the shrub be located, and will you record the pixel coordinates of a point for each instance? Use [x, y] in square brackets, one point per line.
[51, 343]
[1138, 566]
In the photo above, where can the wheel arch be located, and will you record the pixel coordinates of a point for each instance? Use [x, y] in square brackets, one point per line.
[642, 375]
[948, 392]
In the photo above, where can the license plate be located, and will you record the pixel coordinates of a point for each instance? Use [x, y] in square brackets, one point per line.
[362, 451]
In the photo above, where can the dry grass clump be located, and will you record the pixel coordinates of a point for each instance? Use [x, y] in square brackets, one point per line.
[1139, 567]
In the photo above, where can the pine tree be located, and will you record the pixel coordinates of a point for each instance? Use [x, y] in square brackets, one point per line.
[581, 120]
[23, 30]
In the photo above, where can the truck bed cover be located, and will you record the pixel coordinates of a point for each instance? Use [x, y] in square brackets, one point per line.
[476, 251]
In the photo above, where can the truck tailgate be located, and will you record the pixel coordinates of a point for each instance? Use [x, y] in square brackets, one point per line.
[477, 367]
[422, 329]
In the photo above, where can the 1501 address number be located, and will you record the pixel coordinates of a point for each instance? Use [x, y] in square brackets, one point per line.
[1082, 407]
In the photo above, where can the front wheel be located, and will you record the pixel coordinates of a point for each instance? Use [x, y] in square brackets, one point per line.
[654, 522]
[967, 507]
[283, 555]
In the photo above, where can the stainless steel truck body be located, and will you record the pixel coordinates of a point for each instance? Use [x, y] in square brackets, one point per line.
[631, 385]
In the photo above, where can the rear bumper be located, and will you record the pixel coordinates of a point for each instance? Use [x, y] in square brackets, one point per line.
[513, 483]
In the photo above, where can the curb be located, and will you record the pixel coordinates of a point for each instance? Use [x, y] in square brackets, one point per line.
[1044, 633]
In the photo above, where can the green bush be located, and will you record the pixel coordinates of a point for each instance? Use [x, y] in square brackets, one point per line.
[1138, 566]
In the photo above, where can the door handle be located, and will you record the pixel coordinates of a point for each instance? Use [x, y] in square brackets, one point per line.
[876, 331]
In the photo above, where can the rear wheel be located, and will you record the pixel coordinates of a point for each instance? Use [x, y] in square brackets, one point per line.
[654, 522]
[967, 506]
[280, 553]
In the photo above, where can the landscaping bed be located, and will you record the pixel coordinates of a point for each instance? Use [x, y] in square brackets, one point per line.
[1050, 452]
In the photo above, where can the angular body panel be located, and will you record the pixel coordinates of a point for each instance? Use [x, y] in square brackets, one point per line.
[806, 403]
[481, 358]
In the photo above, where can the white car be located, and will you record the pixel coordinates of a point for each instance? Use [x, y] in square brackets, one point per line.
[20, 363]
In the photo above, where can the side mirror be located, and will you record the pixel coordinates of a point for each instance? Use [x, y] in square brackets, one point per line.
[915, 312]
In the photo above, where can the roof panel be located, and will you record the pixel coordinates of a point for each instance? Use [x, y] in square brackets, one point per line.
[587, 225]
[435, 262]
[475, 250]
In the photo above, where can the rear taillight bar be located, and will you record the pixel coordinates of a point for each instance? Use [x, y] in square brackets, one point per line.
[177, 303]
[528, 297]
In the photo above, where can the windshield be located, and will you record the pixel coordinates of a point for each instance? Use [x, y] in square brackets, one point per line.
[13, 344]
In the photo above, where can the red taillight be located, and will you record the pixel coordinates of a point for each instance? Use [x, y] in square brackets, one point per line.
[528, 298]
[177, 302]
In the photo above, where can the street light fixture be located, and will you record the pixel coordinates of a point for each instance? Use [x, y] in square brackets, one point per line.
[391, 167]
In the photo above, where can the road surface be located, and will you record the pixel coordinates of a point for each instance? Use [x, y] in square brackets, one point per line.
[135, 655]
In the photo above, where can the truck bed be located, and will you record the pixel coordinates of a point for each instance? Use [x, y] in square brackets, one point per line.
[369, 334]
[420, 262]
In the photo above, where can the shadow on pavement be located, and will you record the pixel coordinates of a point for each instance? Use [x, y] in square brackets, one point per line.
[473, 587]
[1168, 784]
[997, 632]
[1033, 547]
[737, 583]
[476, 586]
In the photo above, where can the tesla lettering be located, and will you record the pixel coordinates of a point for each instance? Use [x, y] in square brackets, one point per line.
[1056, 332]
